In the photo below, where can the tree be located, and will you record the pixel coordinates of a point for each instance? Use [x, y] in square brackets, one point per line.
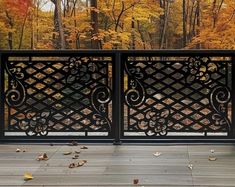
[59, 41]
[116, 24]
[94, 25]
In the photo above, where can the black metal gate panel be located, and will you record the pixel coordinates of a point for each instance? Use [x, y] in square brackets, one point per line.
[68, 94]
[177, 96]
[117, 95]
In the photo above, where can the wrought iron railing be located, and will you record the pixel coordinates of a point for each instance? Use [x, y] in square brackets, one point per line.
[118, 95]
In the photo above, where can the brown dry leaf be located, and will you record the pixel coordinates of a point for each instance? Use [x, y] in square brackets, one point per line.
[135, 181]
[83, 147]
[75, 157]
[77, 152]
[157, 154]
[81, 163]
[42, 157]
[67, 153]
[72, 165]
[18, 150]
[212, 158]
[28, 176]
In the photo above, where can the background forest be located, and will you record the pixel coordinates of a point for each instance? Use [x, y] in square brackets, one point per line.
[117, 24]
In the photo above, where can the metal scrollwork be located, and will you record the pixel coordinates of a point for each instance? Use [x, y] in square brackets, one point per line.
[100, 98]
[79, 68]
[35, 123]
[219, 98]
[155, 123]
[200, 69]
[135, 95]
[15, 95]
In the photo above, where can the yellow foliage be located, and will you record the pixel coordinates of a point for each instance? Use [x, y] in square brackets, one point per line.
[120, 24]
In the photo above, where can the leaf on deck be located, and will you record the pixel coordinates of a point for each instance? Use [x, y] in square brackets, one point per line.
[28, 176]
[18, 150]
[157, 154]
[212, 158]
[136, 181]
[83, 147]
[67, 153]
[190, 166]
[42, 157]
[75, 157]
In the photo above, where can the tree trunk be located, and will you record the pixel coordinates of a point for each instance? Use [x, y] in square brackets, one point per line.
[141, 34]
[94, 25]
[22, 30]
[163, 33]
[184, 24]
[198, 22]
[10, 34]
[32, 30]
[59, 42]
[190, 35]
[37, 22]
[132, 46]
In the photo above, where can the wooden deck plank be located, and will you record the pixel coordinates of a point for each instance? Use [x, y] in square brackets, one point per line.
[110, 165]
[112, 180]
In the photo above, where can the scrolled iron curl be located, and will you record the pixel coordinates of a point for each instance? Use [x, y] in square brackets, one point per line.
[220, 95]
[100, 96]
[134, 72]
[15, 96]
[135, 96]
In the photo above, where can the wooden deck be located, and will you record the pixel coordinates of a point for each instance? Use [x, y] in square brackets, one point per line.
[110, 165]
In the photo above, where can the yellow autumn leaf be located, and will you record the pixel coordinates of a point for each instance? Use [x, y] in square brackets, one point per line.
[203, 69]
[203, 78]
[28, 176]
[212, 67]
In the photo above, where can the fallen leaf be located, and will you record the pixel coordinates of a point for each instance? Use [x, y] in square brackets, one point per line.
[212, 158]
[75, 157]
[190, 166]
[42, 157]
[83, 147]
[157, 154]
[77, 152]
[135, 181]
[67, 153]
[24, 151]
[18, 150]
[28, 176]
[72, 165]
[81, 163]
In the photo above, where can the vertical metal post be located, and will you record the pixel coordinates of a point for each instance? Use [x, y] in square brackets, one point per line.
[2, 123]
[232, 134]
[117, 115]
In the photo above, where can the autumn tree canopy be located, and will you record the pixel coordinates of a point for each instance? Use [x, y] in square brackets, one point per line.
[117, 24]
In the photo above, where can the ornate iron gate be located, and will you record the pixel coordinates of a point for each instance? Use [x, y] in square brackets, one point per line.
[57, 94]
[117, 95]
[176, 95]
